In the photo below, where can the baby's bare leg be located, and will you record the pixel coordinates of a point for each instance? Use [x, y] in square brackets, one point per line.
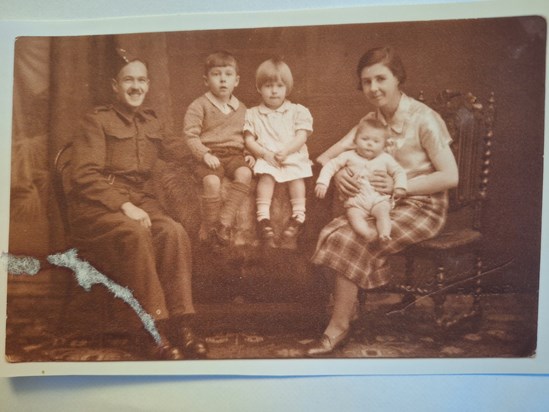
[381, 212]
[358, 221]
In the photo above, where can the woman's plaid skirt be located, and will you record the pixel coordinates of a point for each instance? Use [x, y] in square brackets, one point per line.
[414, 219]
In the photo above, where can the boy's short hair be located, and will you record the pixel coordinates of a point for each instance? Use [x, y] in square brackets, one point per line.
[220, 58]
[372, 123]
[274, 69]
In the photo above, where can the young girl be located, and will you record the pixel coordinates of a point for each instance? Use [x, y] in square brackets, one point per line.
[275, 132]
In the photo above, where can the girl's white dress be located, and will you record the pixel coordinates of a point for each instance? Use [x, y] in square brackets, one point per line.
[273, 129]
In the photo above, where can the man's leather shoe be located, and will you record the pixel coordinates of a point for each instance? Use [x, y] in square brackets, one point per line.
[191, 344]
[166, 352]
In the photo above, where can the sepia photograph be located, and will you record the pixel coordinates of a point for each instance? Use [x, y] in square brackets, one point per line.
[331, 191]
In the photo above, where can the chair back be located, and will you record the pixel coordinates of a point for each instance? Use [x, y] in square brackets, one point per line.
[470, 124]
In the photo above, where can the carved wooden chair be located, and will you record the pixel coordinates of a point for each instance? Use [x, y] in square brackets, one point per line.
[457, 250]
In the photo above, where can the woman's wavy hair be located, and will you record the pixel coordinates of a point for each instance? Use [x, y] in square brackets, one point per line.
[386, 56]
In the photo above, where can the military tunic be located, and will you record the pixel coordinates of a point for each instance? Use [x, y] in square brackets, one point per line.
[113, 158]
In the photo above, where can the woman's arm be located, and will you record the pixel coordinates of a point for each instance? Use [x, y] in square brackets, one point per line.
[444, 177]
[345, 143]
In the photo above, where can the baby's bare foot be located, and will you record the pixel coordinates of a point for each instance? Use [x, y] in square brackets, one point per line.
[384, 238]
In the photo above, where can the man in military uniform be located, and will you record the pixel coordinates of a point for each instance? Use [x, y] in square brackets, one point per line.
[118, 225]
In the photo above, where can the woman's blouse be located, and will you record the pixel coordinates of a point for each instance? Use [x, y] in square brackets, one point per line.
[418, 134]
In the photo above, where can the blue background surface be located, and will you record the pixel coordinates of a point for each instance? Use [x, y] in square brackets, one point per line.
[349, 393]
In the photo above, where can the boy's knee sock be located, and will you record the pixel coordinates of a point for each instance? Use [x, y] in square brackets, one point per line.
[235, 196]
[263, 208]
[298, 209]
[210, 210]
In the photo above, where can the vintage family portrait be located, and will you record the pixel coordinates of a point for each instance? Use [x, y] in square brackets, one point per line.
[331, 191]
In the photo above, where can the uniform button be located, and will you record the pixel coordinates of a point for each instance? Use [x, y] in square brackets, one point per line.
[158, 311]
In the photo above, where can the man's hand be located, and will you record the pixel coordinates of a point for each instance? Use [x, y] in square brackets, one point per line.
[382, 182]
[320, 190]
[346, 182]
[211, 160]
[136, 213]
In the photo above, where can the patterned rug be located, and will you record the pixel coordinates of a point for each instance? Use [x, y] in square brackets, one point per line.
[241, 330]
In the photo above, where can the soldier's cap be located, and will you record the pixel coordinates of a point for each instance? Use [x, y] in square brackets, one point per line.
[124, 57]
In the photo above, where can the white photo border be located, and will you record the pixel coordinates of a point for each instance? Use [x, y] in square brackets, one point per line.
[10, 30]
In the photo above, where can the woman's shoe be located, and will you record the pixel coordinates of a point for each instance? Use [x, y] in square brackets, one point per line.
[325, 345]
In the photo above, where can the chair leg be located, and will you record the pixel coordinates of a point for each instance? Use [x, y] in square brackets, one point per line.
[408, 298]
[477, 292]
[439, 297]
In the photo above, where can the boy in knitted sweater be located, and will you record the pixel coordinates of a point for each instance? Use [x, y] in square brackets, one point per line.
[213, 131]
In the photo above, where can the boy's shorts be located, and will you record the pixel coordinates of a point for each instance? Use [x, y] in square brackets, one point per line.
[231, 158]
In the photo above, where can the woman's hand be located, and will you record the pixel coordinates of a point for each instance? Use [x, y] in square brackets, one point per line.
[136, 213]
[211, 160]
[346, 182]
[382, 182]
[399, 193]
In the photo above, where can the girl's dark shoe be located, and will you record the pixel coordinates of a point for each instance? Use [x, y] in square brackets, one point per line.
[293, 228]
[325, 345]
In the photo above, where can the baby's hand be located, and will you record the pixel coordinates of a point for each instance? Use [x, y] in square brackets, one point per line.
[399, 193]
[320, 190]
[250, 160]
[270, 158]
[211, 160]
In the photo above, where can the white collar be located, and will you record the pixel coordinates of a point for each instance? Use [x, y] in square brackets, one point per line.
[233, 103]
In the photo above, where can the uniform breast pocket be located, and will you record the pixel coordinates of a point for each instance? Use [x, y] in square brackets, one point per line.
[151, 147]
[121, 149]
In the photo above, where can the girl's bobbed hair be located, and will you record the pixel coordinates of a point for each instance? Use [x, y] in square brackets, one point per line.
[274, 69]
[386, 56]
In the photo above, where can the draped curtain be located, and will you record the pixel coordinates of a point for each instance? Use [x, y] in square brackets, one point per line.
[58, 80]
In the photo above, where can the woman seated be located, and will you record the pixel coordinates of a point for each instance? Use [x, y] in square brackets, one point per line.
[420, 142]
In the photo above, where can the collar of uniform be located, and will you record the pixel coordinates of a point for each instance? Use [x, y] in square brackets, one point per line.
[128, 115]
[399, 117]
[233, 102]
[284, 107]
